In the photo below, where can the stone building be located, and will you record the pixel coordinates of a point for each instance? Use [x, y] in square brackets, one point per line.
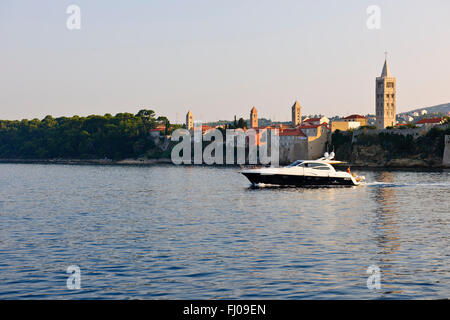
[296, 114]
[315, 121]
[385, 98]
[356, 118]
[429, 122]
[303, 143]
[343, 125]
[348, 123]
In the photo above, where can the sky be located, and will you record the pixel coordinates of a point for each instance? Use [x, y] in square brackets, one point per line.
[219, 58]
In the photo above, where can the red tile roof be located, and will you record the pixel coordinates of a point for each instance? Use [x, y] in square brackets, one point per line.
[355, 116]
[307, 126]
[312, 126]
[159, 127]
[292, 132]
[312, 120]
[429, 120]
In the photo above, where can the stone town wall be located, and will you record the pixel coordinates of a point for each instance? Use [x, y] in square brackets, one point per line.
[446, 158]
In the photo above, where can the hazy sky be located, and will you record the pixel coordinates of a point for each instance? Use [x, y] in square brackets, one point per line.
[219, 58]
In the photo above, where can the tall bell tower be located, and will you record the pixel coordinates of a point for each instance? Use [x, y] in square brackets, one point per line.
[386, 87]
[189, 121]
[296, 112]
[254, 118]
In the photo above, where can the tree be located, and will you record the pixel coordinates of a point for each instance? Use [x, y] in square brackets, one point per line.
[146, 113]
[241, 123]
[163, 120]
[116, 137]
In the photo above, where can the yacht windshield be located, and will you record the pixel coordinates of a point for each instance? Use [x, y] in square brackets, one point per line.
[294, 164]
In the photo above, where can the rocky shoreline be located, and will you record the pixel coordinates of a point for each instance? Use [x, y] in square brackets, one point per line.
[392, 164]
[90, 161]
[375, 156]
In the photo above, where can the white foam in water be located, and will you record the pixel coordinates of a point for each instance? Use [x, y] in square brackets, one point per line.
[392, 184]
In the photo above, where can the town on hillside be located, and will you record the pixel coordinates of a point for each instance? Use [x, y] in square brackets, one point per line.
[307, 137]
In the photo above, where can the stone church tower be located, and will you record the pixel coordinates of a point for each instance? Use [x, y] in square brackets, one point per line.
[189, 121]
[385, 98]
[296, 114]
[253, 118]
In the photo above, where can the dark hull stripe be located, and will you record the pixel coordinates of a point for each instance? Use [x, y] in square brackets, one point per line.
[292, 180]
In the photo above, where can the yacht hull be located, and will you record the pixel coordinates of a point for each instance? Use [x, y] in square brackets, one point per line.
[297, 180]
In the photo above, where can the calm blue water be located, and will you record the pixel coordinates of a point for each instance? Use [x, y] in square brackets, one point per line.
[166, 232]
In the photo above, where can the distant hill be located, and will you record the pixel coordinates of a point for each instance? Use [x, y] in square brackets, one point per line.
[441, 108]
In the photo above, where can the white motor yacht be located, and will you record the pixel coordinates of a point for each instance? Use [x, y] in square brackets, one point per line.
[301, 173]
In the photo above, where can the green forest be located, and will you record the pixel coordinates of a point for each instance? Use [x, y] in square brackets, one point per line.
[124, 135]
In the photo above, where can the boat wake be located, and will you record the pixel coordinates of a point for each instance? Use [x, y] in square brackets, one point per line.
[366, 184]
[398, 184]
